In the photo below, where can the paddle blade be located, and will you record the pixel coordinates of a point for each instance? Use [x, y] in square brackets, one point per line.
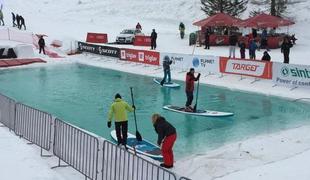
[138, 136]
[195, 108]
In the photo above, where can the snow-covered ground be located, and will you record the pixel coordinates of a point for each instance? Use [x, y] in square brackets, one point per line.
[279, 156]
[70, 20]
[21, 161]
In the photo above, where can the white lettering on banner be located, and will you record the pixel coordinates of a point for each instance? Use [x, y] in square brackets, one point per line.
[106, 51]
[291, 75]
[150, 58]
[141, 56]
[85, 47]
[123, 54]
[131, 56]
[245, 67]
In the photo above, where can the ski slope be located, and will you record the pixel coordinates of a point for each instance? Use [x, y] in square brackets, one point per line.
[70, 20]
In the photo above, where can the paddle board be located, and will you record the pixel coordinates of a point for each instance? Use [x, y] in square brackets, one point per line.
[142, 147]
[198, 112]
[171, 85]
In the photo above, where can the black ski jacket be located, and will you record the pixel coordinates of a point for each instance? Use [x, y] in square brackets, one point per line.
[163, 129]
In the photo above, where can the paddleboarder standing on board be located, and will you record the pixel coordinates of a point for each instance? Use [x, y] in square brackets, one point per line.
[189, 89]
[166, 137]
[119, 110]
[166, 65]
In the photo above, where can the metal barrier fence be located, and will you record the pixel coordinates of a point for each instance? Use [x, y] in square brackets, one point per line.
[119, 164]
[7, 111]
[34, 125]
[184, 178]
[76, 148]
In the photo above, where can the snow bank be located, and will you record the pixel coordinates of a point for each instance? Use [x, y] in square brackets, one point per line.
[22, 161]
[24, 51]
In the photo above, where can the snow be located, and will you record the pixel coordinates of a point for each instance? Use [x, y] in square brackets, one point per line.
[21, 161]
[279, 156]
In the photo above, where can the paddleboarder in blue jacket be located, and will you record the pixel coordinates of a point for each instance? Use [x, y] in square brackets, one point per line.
[166, 65]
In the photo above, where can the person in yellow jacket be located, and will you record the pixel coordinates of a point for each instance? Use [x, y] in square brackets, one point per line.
[119, 110]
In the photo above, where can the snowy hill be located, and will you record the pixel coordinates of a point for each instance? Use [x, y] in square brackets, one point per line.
[70, 20]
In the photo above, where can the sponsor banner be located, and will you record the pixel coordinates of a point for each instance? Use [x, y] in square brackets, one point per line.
[209, 64]
[291, 75]
[141, 56]
[142, 41]
[260, 69]
[179, 61]
[205, 64]
[98, 49]
[97, 38]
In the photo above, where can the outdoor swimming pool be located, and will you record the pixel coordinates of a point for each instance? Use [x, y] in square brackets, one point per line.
[82, 95]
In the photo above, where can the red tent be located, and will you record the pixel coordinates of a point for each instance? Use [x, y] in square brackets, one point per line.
[219, 19]
[265, 21]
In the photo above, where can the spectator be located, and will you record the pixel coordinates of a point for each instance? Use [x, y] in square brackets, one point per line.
[242, 49]
[14, 19]
[41, 45]
[207, 39]
[18, 21]
[153, 39]
[22, 22]
[252, 49]
[272, 32]
[293, 39]
[233, 39]
[264, 40]
[226, 31]
[285, 49]
[1, 18]
[139, 27]
[254, 33]
[182, 30]
[266, 56]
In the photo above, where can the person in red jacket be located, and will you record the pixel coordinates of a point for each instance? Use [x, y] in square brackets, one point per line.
[167, 136]
[189, 89]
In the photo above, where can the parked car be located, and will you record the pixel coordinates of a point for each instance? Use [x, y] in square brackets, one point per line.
[128, 36]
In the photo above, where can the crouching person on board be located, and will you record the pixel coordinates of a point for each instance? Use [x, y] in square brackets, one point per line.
[166, 137]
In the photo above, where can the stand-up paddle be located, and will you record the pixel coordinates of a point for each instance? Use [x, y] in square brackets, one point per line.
[138, 135]
[197, 91]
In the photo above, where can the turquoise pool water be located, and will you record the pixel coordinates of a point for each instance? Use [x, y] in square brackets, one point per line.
[82, 95]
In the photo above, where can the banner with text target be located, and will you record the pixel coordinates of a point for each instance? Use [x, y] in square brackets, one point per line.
[253, 68]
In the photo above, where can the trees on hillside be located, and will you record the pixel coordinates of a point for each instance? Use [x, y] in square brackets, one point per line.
[278, 7]
[231, 7]
[274, 7]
